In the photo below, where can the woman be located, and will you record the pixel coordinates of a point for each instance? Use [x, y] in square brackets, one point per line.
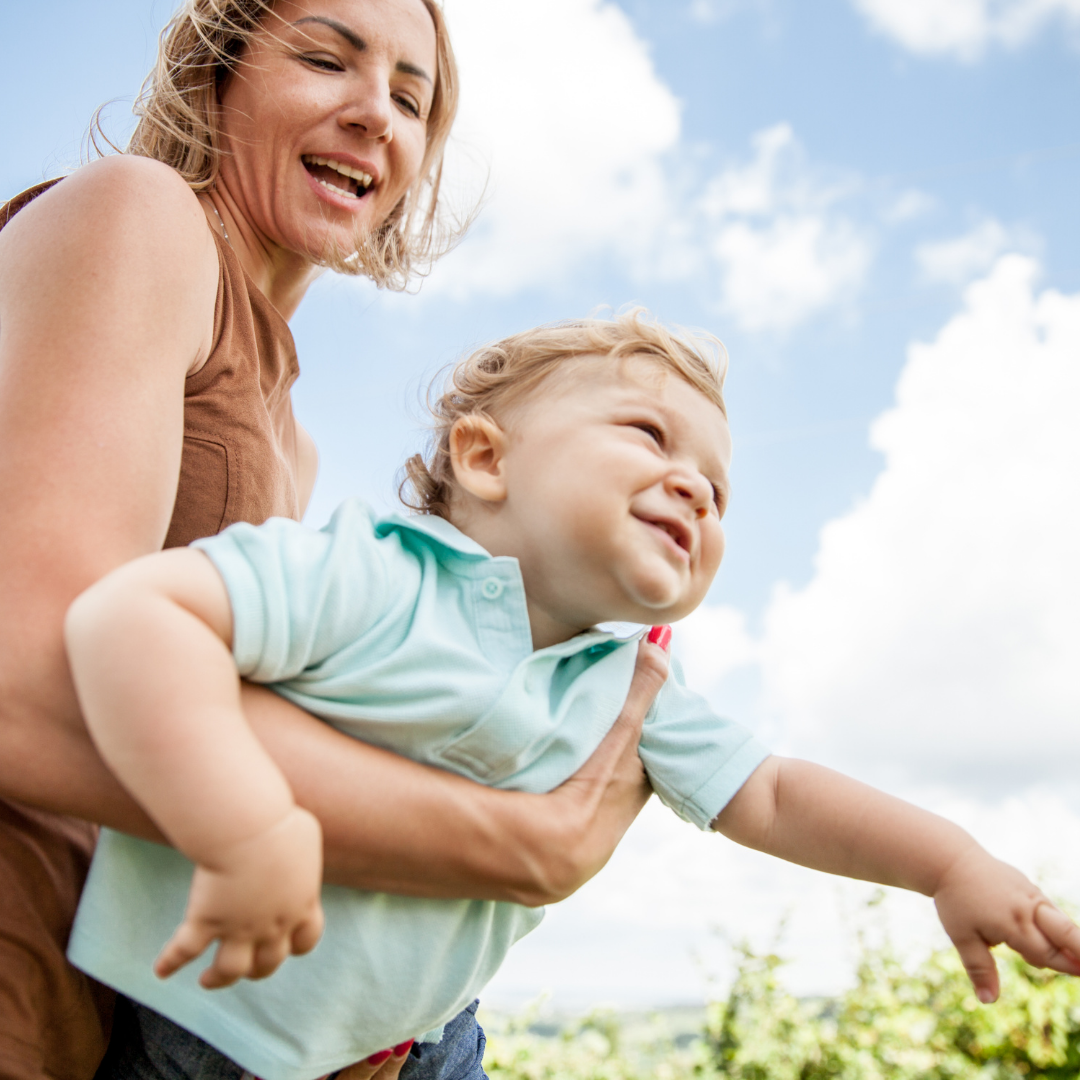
[145, 366]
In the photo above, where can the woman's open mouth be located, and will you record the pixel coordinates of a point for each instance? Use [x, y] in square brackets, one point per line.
[337, 177]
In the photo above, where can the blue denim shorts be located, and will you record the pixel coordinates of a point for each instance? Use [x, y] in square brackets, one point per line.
[147, 1046]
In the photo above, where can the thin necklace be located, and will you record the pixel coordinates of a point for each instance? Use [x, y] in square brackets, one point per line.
[224, 231]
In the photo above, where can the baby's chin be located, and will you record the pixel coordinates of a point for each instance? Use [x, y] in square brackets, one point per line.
[656, 599]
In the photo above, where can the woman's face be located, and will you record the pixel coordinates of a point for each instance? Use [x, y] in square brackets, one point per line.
[325, 120]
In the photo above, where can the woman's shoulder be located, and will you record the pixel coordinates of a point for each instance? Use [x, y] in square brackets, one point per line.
[118, 227]
[117, 204]
[121, 240]
[125, 181]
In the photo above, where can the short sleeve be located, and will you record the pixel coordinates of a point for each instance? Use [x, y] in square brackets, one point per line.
[696, 760]
[299, 595]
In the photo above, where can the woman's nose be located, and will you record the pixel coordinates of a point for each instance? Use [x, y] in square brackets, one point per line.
[371, 111]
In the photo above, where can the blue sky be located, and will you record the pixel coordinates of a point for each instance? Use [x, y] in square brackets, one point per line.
[824, 185]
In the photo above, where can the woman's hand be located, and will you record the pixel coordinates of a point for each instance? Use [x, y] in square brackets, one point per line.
[587, 816]
[391, 825]
[385, 1065]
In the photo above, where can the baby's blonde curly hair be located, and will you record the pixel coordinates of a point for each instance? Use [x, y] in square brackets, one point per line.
[499, 375]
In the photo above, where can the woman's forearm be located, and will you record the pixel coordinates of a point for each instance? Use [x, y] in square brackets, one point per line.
[395, 826]
[389, 824]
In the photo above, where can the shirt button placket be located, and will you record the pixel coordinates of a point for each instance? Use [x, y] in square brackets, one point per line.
[491, 588]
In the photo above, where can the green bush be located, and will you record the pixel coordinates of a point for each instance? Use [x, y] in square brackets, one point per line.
[899, 1022]
[588, 1049]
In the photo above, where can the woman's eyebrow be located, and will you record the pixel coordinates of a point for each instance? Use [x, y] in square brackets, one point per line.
[359, 44]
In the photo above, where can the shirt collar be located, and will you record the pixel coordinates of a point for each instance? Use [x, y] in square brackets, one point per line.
[434, 528]
[452, 539]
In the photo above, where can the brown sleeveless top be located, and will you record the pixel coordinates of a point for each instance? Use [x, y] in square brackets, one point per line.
[239, 460]
[239, 464]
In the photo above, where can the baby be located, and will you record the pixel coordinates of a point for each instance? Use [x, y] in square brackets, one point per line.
[579, 475]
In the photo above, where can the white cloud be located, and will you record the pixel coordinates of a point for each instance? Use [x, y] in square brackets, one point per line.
[579, 139]
[783, 250]
[964, 28]
[711, 12]
[711, 643]
[562, 100]
[937, 640]
[908, 206]
[777, 275]
[957, 261]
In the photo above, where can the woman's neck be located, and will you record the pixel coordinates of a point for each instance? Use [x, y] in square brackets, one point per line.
[283, 277]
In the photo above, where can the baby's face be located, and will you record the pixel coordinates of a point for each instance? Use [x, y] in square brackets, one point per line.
[617, 480]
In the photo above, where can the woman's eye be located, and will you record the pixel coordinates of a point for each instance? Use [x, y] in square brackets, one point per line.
[322, 63]
[408, 105]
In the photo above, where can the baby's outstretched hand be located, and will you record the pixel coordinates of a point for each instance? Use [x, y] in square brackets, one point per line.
[983, 902]
[259, 899]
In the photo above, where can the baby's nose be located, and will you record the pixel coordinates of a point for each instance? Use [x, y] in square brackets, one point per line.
[696, 490]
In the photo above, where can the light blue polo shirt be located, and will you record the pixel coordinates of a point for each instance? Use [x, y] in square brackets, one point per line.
[404, 633]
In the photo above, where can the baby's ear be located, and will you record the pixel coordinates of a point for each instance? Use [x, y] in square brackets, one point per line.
[477, 456]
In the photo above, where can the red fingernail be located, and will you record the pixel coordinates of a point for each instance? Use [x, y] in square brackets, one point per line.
[660, 635]
[380, 1057]
[403, 1048]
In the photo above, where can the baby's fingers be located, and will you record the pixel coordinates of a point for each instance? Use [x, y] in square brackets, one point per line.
[234, 960]
[979, 964]
[189, 941]
[271, 953]
[1062, 938]
[269, 956]
[306, 936]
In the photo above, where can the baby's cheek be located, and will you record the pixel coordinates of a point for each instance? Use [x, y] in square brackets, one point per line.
[713, 544]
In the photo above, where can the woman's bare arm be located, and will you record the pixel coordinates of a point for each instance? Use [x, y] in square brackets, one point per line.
[396, 826]
[91, 427]
[107, 287]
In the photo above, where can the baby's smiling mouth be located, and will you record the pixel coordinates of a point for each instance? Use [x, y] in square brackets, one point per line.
[675, 531]
[339, 178]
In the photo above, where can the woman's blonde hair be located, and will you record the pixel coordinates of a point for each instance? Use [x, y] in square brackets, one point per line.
[498, 376]
[178, 125]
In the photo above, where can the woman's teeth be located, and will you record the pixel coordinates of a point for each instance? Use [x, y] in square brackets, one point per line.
[337, 190]
[362, 179]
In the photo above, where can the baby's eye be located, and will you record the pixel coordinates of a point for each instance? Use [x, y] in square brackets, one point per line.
[718, 500]
[652, 431]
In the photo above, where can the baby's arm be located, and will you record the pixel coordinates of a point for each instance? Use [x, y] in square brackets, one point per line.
[810, 815]
[149, 653]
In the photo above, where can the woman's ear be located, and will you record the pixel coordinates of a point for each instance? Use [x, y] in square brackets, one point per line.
[477, 456]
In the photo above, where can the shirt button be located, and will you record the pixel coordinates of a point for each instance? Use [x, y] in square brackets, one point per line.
[492, 588]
